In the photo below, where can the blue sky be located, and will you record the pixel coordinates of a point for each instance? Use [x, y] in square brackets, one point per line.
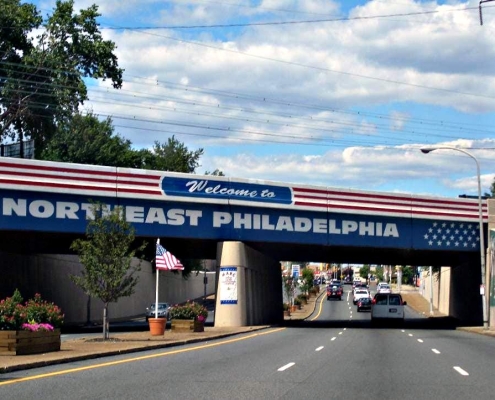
[346, 101]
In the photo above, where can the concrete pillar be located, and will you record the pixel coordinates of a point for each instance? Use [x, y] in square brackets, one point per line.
[246, 294]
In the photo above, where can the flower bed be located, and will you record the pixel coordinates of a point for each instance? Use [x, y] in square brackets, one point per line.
[29, 328]
[188, 317]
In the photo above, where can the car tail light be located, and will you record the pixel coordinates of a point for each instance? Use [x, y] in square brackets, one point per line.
[373, 301]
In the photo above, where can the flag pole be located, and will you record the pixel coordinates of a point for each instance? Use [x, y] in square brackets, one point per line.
[156, 289]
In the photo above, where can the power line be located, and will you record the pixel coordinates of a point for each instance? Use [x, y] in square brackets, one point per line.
[314, 21]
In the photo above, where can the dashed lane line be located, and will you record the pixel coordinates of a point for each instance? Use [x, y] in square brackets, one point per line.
[461, 371]
[286, 366]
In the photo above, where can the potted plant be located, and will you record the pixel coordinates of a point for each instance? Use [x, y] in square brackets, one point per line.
[189, 316]
[29, 328]
[286, 309]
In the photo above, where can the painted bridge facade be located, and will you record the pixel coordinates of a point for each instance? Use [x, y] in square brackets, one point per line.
[44, 205]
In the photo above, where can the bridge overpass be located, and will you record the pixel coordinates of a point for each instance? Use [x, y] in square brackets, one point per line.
[250, 225]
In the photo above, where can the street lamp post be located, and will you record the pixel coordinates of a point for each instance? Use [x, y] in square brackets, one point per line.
[480, 212]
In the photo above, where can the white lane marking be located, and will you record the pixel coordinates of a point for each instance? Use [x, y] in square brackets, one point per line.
[410, 334]
[420, 340]
[340, 333]
[461, 371]
[333, 338]
[403, 331]
[349, 307]
[286, 366]
[435, 351]
[319, 348]
[345, 329]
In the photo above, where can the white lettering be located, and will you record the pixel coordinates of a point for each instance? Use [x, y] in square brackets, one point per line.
[202, 186]
[302, 224]
[221, 218]
[265, 223]
[391, 230]
[175, 216]
[10, 205]
[194, 216]
[349, 226]
[155, 215]
[320, 225]
[366, 228]
[284, 224]
[379, 229]
[67, 210]
[41, 209]
[333, 228]
[134, 214]
[242, 221]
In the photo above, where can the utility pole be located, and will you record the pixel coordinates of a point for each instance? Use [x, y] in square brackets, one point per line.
[481, 14]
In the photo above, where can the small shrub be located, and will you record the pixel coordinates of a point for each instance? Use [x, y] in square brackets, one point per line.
[189, 310]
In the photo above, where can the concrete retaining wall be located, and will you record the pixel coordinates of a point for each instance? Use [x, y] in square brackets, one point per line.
[49, 276]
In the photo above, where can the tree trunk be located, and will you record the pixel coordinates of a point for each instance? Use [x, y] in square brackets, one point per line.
[106, 333]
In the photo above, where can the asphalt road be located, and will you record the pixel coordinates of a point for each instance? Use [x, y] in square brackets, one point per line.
[319, 362]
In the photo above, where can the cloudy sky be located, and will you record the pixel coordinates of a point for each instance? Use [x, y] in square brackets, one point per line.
[318, 92]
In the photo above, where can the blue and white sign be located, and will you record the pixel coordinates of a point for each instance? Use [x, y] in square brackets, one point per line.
[228, 285]
[222, 189]
[52, 212]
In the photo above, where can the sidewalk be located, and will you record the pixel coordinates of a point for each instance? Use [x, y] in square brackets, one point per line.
[86, 348]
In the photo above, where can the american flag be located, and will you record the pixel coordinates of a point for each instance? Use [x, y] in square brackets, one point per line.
[166, 260]
[452, 235]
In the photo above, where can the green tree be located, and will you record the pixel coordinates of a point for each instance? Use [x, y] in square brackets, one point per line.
[87, 140]
[172, 156]
[364, 271]
[109, 272]
[407, 274]
[84, 139]
[308, 277]
[42, 81]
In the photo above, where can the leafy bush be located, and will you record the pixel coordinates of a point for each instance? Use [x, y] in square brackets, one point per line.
[303, 297]
[14, 314]
[297, 301]
[189, 310]
[286, 306]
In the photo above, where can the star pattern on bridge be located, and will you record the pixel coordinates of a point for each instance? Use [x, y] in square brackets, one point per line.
[460, 235]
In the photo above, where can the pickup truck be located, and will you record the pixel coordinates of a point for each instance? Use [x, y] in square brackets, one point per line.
[334, 291]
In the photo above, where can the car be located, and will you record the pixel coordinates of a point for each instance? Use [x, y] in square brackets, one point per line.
[364, 304]
[334, 291]
[359, 286]
[384, 288]
[387, 306]
[360, 294]
[163, 311]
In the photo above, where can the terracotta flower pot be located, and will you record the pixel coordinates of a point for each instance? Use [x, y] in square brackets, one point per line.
[157, 326]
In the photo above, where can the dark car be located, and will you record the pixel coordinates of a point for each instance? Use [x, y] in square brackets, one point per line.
[364, 304]
[334, 291]
[163, 311]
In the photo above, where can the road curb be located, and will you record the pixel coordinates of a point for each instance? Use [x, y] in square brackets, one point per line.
[110, 353]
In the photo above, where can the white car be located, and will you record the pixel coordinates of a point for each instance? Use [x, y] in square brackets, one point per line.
[387, 306]
[384, 288]
[359, 294]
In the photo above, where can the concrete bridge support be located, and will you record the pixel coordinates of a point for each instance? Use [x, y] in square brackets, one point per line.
[249, 287]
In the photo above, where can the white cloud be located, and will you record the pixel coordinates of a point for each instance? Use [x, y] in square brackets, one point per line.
[344, 103]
